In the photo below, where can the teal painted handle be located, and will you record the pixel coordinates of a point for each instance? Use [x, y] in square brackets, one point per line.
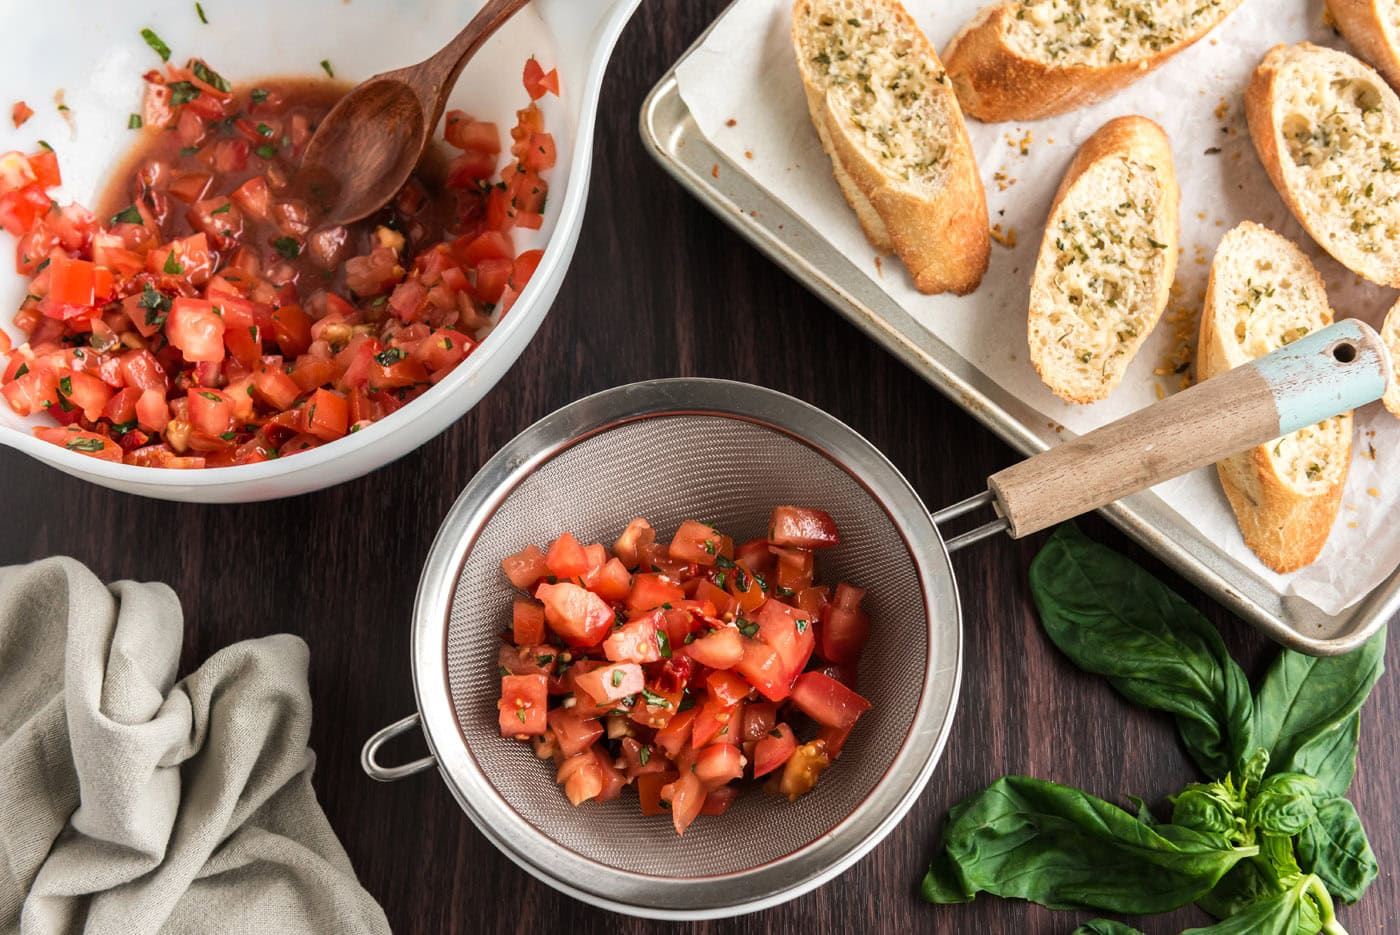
[1322, 375]
[1328, 372]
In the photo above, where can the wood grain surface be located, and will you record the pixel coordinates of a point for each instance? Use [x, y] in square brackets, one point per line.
[658, 288]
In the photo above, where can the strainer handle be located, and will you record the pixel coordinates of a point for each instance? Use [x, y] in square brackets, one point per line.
[1322, 375]
[374, 770]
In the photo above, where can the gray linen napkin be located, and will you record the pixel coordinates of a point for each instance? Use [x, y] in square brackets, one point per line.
[132, 803]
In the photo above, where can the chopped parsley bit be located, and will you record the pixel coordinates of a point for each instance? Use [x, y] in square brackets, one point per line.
[199, 11]
[287, 246]
[222, 209]
[85, 444]
[259, 95]
[663, 642]
[644, 755]
[128, 215]
[172, 265]
[747, 627]
[182, 92]
[387, 358]
[209, 76]
[655, 700]
[266, 150]
[616, 677]
[326, 67]
[157, 45]
[722, 562]
[45, 145]
[134, 122]
[23, 369]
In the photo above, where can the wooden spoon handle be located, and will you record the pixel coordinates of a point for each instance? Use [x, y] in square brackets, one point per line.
[1322, 375]
[434, 77]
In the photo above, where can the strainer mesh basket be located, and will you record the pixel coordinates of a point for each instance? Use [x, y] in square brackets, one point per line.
[730, 473]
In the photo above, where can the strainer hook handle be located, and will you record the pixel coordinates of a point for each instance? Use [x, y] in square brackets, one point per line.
[368, 756]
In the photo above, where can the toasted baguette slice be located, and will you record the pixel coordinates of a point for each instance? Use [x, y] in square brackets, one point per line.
[1372, 28]
[1264, 293]
[1390, 334]
[890, 122]
[1028, 59]
[1327, 129]
[1107, 259]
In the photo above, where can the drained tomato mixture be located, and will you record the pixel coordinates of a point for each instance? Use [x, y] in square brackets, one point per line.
[681, 667]
[206, 317]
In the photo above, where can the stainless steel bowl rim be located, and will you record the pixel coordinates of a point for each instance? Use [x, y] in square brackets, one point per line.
[659, 896]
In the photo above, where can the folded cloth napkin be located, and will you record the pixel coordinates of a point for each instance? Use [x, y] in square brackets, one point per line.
[133, 803]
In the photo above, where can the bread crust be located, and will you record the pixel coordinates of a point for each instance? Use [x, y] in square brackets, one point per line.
[1261, 100]
[1284, 528]
[1390, 335]
[943, 239]
[996, 83]
[1128, 137]
[1363, 25]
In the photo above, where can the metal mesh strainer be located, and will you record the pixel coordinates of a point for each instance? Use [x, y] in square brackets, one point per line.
[726, 453]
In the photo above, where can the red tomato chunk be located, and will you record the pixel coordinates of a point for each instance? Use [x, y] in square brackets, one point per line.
[687, 668]
[209, 317]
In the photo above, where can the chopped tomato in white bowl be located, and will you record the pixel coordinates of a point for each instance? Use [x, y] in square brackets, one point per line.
[188, 326]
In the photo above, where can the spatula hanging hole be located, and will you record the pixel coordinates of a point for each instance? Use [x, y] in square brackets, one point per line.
[1344, 352]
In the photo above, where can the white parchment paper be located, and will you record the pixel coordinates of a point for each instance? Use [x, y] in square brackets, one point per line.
[743, 88]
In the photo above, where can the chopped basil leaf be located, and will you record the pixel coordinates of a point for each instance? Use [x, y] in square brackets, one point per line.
[655, 700]
[134, 122]
[65, 386]
[719, 580]
[520, 713]
[761, 582]
[188, 150]
[287, 246]
[747, 627]
[686, 704]
[46, 146]
[222, 209]
[129, 215]
[616, 677]
[182, 92]
[212, 397]
[775, 733]
[546, 659]
[266, 150]
[663, 641]
[644, 755]
[63, 404]
[666, 606]
[199, 11]
[388, 358]
[326, 67]
[23, 369]
[85, 444]
[155, 304]
[172, 265]
[801, 624]
[264, 130]
[228, 436]
[447, 344]
[689, 638]
[710, 546]
[42, 266]
[505, 671]
[121, 428]
[209, 76]
[723, 562]
[157, 45]
[259, 95]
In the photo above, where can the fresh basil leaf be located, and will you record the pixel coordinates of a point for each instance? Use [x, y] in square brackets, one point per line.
[1062, 848]
[1105, 927]
[1283, 804]
[1304, 710]
[1211, 808]
[1335, 848]
[1300, 906]
[1144, 813]
[1113, 618]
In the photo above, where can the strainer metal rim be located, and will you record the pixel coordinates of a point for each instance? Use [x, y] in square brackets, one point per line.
[688, 898]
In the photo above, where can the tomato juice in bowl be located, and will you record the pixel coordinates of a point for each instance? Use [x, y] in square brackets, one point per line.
[100, 76]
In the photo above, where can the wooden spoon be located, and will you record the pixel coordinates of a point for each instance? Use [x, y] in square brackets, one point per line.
[366, 147]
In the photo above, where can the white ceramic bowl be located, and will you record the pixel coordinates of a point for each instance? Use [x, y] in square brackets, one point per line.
[98, 68]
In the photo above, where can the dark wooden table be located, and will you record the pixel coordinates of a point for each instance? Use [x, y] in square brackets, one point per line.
[658, 288]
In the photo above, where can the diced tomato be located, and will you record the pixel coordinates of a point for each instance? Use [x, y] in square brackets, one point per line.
[715, 716]
[835, 738]
[523, 705]
[573, 733]
[613, 778]
[527, 621]
[744, 585]
[641, 759]
[652, 590]
[492, 276]
[466, 133]
[121, 408]
[676, 734]
[44, 164]
[801, 528]
[696, 542]
[718, 649]
[611, 682]
[33, 391]
[773, 750]
[789, 631]
[611, 581]
[637, 534]
[254, 197]
[211, 411]
[759, 718]
[491, 245]
[827, 701]
[844, 633]
[718, 764]
[566, 557]
[273, 387]
[717, 801]
[687, 797]
[635, 642]
[20, 113]
[326, 415]
[525, 266]
[291, 329]
[581, 777]
[195, 329]
[764, 669]
[21, 208]
[538, 82]
[649, 788]
[80, 442]
[540, 152]
[795, 568]
[578, 615]
[526, 567]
